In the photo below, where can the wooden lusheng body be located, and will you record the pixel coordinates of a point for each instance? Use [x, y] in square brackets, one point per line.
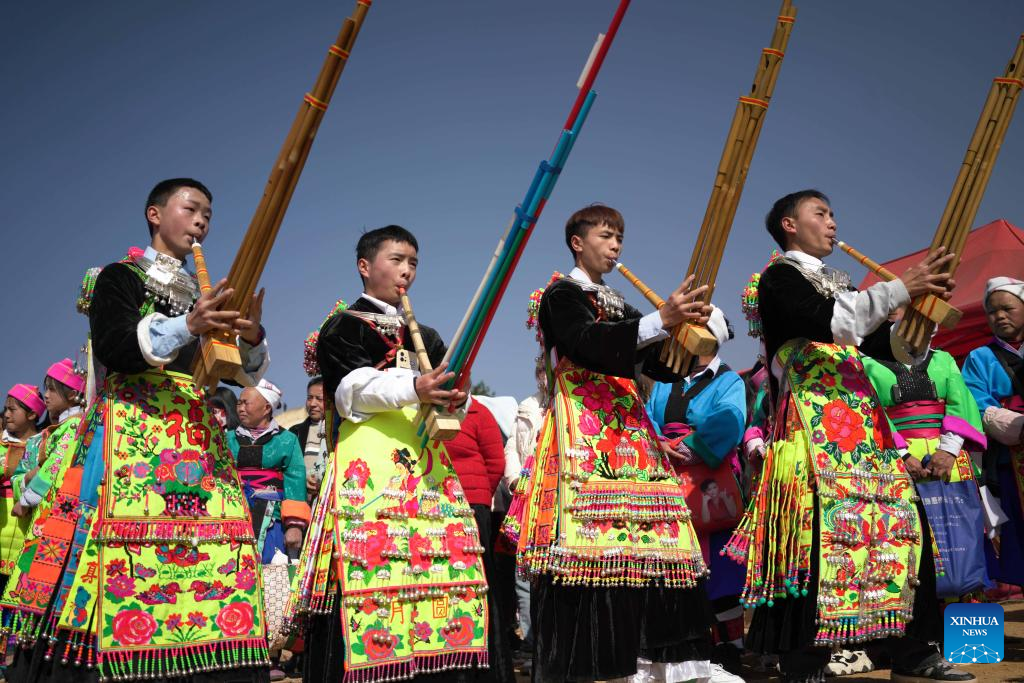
[687, 341]
[917, 326]
[251, 258]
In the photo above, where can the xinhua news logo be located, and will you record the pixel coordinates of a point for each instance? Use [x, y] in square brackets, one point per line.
[973, 633]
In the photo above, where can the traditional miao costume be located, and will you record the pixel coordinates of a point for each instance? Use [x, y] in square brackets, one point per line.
[832, 536]
[932, 409]
[273, 474]
[46, 458]
[599, 517]
[709, 407]
[995, 376]
[12, 450]
[390, 584]
[146, 566]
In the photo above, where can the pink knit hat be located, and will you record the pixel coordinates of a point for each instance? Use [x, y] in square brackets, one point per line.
[64, 372]
[29, 396]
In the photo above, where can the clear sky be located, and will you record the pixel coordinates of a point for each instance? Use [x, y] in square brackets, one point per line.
[438, 124]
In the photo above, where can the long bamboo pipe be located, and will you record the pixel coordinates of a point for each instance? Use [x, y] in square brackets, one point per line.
[442, 427]
[728, 184]
[972, 180]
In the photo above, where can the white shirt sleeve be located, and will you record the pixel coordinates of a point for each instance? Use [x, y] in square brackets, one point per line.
[161, 337]
[858, 314]
[366, 391]
[255, 359]
[951, 443]
[650, 330]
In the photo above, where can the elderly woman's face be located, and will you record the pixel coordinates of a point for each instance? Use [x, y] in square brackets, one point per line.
[253, 409]
[1006, 316]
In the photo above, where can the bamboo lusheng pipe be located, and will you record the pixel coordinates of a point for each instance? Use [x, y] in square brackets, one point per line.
[441, 426]
[252, 257]
[935, 309]
[218, 356]
[727, 188]
[969, 187]
[648, 293]
[414, 332]
[875, 267]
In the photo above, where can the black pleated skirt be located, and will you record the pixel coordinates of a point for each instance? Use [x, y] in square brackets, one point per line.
[584, 633]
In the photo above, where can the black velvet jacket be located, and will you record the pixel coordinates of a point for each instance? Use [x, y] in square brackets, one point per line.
[114, 316]
[569, 320]
[348, 342]
[791, 308]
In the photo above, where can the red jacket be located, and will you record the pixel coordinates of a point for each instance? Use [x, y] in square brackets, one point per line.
[478, 455]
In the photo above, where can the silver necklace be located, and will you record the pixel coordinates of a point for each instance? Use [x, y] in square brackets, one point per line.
[827, 281]
[168, 283]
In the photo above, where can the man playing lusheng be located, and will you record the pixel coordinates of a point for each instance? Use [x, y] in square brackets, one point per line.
[833, 536]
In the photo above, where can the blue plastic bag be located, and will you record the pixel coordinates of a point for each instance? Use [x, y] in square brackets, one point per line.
[957, 521]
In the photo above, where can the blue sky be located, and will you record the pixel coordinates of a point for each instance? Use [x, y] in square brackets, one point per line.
[438, 124]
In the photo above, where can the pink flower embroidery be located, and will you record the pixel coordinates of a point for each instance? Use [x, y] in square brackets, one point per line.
[596, 396]
[589, 424]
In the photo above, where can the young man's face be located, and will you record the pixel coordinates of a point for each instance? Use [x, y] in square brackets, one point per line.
[599, 249]
[812, 229]
[315, 402]
[1006, 316]
[392, 268]
[183, 219]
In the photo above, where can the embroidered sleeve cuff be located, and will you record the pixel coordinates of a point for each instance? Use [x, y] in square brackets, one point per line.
[973, 439]
[650, 330]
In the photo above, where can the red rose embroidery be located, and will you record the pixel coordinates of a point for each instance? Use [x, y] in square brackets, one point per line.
[380, 646]
[235, 619]
[456, 539]
[359, 471]
[133, 627]
[843, 425]
[420, 547]
[377, 541]
[458, 632]
[451, 488]
[369, 606]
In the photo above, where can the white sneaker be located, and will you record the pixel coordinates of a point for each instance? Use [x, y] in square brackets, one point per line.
[720, 675]
[846, 662]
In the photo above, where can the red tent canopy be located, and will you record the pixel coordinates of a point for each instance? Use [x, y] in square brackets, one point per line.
[992, 250]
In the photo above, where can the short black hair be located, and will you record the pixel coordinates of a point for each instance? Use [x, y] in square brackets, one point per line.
[589, 217]
[786, 208]
[316, 379]
[370, 242]
[163, 190]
